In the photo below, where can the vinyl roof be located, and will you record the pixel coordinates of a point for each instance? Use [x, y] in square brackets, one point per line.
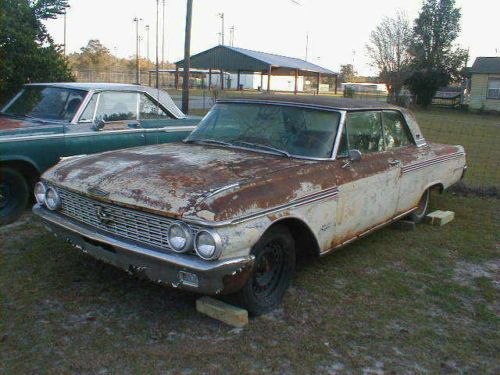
[486, 65]
[233, 59]
[314, 100]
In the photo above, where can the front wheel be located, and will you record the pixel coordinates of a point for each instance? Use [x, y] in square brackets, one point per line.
[14, 195]
[272, 271]
[423, 204]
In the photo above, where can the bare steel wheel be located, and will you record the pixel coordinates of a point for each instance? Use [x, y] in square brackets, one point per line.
[14, 195]
[423, 204]
[272, 271]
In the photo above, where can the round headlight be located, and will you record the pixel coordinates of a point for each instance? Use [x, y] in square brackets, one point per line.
[40, 189]
[207, 244]
[52, 199]
[180, 237]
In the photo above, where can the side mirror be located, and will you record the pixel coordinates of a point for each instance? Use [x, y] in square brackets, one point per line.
[98, 125]
[354, 155]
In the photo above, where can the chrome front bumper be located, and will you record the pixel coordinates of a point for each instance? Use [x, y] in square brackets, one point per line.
[176, 270]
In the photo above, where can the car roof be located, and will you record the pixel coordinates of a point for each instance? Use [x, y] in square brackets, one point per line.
[162, 96]
[91, 85]
[314, 101]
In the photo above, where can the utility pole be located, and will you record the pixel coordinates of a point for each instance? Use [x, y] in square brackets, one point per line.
[147, 41]
[157, 62]
[187, 58]
[221, 15]
[231, 36]
[163, 36]
[138, 68]
[307, 43]
[64, 32]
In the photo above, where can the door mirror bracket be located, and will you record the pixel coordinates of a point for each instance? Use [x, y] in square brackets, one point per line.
[354, 155]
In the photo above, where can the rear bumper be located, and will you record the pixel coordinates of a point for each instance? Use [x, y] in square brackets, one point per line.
[176, 270]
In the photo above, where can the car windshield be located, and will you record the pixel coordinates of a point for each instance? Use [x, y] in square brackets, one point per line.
[48, 103]
[279, 129]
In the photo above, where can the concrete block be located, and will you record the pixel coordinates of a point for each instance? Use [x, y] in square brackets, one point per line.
[405, 225]
[229, 314]
[440, 218]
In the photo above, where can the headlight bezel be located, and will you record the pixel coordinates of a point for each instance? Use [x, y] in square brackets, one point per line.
[40, 201]
[217, 243]
[186, 229]
[56, 198]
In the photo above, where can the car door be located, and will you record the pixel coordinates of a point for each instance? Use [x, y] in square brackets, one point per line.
[399, 143]
[369, 187]
[159, 125]
[109, 122]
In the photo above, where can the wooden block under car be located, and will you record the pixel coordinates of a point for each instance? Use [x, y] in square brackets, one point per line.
[222, 311]
[440, 217]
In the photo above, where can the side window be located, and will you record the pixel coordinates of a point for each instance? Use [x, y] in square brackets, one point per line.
[364, 131]
[88, 113]
[395, 132]
[117, 106]
[149, 110]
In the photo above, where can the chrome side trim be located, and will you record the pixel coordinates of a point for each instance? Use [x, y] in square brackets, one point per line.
[311, 198]
[221, 189]
[178, 260]
[430, 162]
[170, 129]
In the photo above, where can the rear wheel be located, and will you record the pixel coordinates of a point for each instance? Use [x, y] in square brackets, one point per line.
[272, 271]
[423, 204]
[14, 195]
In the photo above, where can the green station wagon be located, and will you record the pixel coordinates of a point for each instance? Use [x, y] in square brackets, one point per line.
[45, 122]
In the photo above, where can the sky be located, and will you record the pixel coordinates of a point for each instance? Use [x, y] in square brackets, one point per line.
[337, 30]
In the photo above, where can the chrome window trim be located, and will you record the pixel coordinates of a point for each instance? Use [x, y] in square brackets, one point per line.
[82, 107]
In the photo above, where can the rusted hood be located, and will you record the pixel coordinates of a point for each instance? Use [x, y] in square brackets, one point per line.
[171, 179]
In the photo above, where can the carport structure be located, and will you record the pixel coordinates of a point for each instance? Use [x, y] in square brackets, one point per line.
[239, 60]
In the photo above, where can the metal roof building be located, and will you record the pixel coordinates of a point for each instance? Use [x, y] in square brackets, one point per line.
[232, 59]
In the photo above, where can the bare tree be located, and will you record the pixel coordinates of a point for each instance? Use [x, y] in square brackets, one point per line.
[388, 50]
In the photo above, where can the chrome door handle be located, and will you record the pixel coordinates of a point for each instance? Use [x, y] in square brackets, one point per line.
[394, 162]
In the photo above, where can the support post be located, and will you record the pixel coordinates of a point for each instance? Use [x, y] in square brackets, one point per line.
[222, 80]
[176, 77]
[319, 80]
[149, 78]
[269, 78]
[336, 82]
[296, 81]
[187, 58]
[209, 78]
[261, 81]
[238, 83]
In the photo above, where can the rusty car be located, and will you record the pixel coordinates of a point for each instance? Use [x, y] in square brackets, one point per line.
[258, 182]
[47, 121]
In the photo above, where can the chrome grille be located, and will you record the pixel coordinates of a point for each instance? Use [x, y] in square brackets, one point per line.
[130, 224]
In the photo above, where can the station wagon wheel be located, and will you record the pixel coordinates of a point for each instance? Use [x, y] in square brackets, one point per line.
[14, 195]
[423, 204]
[272, 271]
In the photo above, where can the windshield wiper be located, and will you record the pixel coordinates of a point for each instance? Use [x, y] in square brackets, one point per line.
[266, 147]
[208, 141]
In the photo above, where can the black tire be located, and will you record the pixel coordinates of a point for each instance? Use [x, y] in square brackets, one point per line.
[423, 205]
[14, 195]
[272, 272]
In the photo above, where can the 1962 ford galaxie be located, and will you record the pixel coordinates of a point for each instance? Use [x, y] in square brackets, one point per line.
[257, 182]
[46, 121]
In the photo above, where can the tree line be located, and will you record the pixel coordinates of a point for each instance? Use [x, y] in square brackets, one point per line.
[424, 56]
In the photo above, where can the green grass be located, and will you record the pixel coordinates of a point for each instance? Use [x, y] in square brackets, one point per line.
[478, 133]
[396, 301]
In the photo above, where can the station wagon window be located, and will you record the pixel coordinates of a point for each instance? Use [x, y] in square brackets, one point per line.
[395, 132]
[364, 132]
[149, 109]
[298, 131]
[117, 106]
